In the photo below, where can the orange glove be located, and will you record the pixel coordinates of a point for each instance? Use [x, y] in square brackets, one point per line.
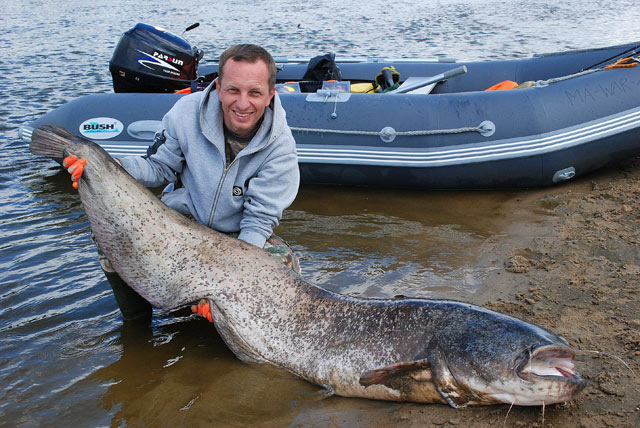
[203, 309]
[75, 167]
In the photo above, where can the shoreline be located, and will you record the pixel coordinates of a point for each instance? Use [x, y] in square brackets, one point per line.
[574, 270]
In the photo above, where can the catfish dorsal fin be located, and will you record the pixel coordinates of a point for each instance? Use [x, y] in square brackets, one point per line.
[419, 370]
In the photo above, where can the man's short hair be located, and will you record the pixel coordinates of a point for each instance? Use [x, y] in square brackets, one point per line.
[251, 53]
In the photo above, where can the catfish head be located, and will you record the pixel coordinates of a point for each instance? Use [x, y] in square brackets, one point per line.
[483, 357]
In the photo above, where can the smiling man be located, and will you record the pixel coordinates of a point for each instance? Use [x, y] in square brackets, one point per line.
[230, 158]
[244, 92]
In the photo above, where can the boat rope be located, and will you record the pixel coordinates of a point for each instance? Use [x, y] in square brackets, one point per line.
[388, 134]
[627, 62]
[547, 82]
[629, 52]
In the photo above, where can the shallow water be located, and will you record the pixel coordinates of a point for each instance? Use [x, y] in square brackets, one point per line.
[66, 357]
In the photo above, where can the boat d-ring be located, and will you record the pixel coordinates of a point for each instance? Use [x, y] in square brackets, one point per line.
[387, 134]
[489, 128]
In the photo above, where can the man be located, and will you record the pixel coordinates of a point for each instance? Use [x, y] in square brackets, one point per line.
[230, 156]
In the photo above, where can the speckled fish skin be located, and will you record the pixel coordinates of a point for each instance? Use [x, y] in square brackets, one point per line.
[429, 351]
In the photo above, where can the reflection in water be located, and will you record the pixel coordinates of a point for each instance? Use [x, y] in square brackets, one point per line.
[384, 243]
[183, 372]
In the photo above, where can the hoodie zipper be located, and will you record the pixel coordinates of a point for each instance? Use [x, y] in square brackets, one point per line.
[270, 140]
[218, 190]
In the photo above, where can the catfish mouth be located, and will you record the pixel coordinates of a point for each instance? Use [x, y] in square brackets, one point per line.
[551, 362]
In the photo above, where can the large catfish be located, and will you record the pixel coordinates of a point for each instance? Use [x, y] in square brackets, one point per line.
[430, 351]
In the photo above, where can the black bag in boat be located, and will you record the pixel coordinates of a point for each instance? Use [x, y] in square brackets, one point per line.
[320, 68]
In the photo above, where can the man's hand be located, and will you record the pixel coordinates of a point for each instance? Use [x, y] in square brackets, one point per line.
[75, 167]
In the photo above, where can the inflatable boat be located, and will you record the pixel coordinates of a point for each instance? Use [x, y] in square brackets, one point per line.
[397, 122]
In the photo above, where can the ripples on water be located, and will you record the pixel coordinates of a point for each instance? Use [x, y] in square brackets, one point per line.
[67, 359]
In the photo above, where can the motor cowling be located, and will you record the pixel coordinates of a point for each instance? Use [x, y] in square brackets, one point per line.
[151, 59]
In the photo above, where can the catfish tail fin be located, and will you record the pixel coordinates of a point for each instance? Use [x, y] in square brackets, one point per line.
[50, 141]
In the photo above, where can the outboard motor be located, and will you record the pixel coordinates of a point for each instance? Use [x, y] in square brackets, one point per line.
[150, 59]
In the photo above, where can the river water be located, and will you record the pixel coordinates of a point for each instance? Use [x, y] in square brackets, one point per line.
[67, 359]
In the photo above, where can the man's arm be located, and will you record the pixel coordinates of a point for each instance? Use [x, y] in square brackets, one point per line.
[160, 167]
[164, 157]
[268, 195]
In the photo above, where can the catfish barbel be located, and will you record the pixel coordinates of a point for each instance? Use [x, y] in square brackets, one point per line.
[429, 351]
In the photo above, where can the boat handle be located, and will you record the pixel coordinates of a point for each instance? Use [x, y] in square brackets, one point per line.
[144, 129]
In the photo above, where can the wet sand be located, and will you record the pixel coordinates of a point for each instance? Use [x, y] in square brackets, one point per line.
[574, 270]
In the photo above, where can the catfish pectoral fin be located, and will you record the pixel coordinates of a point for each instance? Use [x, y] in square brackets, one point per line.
[413, 380]
[419, 370]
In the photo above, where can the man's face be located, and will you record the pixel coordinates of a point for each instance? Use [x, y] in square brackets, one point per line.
[244, 93]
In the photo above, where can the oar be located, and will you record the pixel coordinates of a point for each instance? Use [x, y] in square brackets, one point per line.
[429, 80]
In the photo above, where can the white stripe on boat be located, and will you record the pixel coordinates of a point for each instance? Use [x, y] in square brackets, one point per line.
[437, 156]
[499, 149]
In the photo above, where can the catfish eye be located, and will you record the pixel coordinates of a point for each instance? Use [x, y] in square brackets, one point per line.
[513, 346]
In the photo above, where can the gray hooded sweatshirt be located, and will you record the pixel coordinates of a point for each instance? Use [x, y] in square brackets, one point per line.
[246, 196]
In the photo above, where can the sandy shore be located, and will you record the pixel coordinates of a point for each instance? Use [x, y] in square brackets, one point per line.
[575, 270]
